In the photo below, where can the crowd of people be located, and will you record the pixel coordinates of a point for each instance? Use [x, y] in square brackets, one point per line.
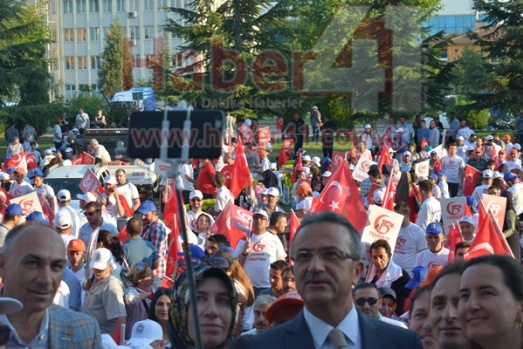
[79, 278]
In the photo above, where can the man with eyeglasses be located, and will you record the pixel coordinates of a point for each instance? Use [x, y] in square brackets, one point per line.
[258, 252]
[93, 214]
[327, 253]
[368, 301]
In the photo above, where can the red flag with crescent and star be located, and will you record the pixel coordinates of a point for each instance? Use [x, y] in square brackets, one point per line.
[341, 195]
[472, 177]
[241, 175]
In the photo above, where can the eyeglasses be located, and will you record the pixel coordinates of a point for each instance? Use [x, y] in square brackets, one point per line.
[5, 333]
[89, 214]
[325, 255]
[361, 301]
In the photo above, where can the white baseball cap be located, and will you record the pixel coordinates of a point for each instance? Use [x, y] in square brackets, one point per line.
[316, 160]
[378, 196]
[110, 180]
[460, 138]
[488, 174]
[87, 197]
[467, 219]
[195, 194]
[261, 213]
[399, 130]
[272, 191]
[144, 333]
[64, 195]
[367, 126]
[264, 191]
[327, 174]
[306, 158]
[102, 258]
[63, 220]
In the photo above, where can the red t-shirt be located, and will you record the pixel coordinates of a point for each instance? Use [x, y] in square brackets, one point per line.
[205, 179]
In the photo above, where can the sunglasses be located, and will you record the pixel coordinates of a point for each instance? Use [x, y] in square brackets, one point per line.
[361, 301]
[5, 333]
[89, 214]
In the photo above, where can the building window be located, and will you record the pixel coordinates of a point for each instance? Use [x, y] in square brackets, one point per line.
[83, 62]
[81, 6]
[95, 62]
[94, 34]
[148, 32]
[70, 88]
[134, 5]
[120, 5]
[135, 33]
[81, 34]
[69, 34]
[70, 63]
[148, 60]
[94, 88]
[52, 7]
[68, 6]
[148, 5]
[136, 61]
[162, 3]
[106, 32]
[84, 88]
[94, 5]
[107, 5]
[53, 34]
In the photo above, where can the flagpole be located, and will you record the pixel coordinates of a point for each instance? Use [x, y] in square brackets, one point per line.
[174, 171]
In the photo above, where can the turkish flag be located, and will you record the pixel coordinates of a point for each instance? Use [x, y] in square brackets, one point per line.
[285, 152]
[87, 159]
[385, 158]
[46, 210]
[234, 222]
[390, 194]
[241, 176]
[453, 238]
[77, 160]
[472, 177]
[16, 161]
[337, 159]
[294, 224]
[227, 172]
[489, 239]
[341, 195]
[370, 195]
[31, 162]
[122, 235]
[424, 143]
[298, 167]
[171, 210]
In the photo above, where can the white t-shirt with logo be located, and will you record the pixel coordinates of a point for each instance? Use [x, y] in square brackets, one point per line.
[129, 192]
[411, 240]
[265, 249]
[452, 166]
[429, 259]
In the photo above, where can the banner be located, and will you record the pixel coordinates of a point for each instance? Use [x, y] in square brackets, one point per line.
[337, 158]
[497, 205]
[246, 132]
[264, 136]
[452, 210]
[161, 168]
[362, 168]
[87, 159]
[422, 168]
[89, 182]
[384, 224]
[28, 202]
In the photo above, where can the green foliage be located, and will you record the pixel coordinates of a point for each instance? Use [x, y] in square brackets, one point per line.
[127, 70]
[471, 73]
[39, 116]
[23, 41]
[476, 117]
[206, 204]
[503, 45]
[110, 74]
[89, 102]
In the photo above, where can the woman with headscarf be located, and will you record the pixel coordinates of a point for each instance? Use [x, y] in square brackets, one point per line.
[216, 309]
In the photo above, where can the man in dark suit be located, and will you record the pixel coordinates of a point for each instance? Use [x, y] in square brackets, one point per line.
[327, 254]
[32, 263]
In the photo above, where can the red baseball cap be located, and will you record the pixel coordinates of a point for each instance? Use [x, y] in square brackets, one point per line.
[290, 301]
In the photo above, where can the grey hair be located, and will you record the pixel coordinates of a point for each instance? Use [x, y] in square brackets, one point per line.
[264, 299]
[355, 248]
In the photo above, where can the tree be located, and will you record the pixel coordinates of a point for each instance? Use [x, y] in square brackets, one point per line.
[23, 66]
[502, 43]
[127, 65]
[110, 74]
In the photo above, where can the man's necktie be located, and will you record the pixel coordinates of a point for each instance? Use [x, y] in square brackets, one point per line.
[337, 338]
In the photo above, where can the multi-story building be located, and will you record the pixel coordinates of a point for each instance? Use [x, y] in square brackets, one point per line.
[455, 17]
[79, 29]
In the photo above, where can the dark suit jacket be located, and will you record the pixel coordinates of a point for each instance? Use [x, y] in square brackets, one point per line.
[69, 329]
[374, 334]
